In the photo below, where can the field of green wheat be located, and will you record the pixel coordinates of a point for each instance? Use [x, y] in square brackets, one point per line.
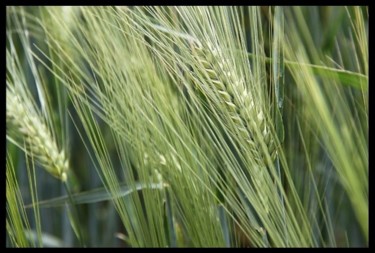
[188, 126]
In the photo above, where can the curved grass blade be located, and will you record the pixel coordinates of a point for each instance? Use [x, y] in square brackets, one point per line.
[353, 79]
[346, 77]
[97, 195]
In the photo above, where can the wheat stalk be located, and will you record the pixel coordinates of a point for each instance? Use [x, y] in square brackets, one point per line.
[237, 100]
[36, 134]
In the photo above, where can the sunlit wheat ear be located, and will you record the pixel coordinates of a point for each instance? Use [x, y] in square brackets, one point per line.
[40, 143]
[234, 96]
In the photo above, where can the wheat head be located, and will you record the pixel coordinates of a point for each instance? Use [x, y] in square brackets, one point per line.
[38, 138]
[235, 98]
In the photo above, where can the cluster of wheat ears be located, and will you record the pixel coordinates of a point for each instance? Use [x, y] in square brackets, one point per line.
[175, 96]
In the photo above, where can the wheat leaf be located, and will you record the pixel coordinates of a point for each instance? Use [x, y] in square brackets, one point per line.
[96, 195]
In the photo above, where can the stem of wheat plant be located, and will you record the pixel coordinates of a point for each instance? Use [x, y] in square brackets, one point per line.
[193, 126]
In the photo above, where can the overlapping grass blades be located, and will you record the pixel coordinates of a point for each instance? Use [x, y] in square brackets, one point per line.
[212, 126]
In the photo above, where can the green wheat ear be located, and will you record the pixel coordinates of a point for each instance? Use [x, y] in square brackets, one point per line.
[233, 96]
[39, 141]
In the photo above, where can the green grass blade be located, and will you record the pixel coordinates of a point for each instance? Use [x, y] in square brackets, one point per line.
[170, 221]
[224, 225]
[346, 77]
[95, 196]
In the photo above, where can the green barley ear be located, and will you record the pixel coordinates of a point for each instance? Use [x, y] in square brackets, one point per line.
[28, 124]
[227, 88]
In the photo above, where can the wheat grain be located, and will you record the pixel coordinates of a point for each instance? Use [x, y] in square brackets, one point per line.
[36, 134]
[232, 93]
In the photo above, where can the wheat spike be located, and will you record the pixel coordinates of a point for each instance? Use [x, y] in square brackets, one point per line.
[36, 134]
[232, 93]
